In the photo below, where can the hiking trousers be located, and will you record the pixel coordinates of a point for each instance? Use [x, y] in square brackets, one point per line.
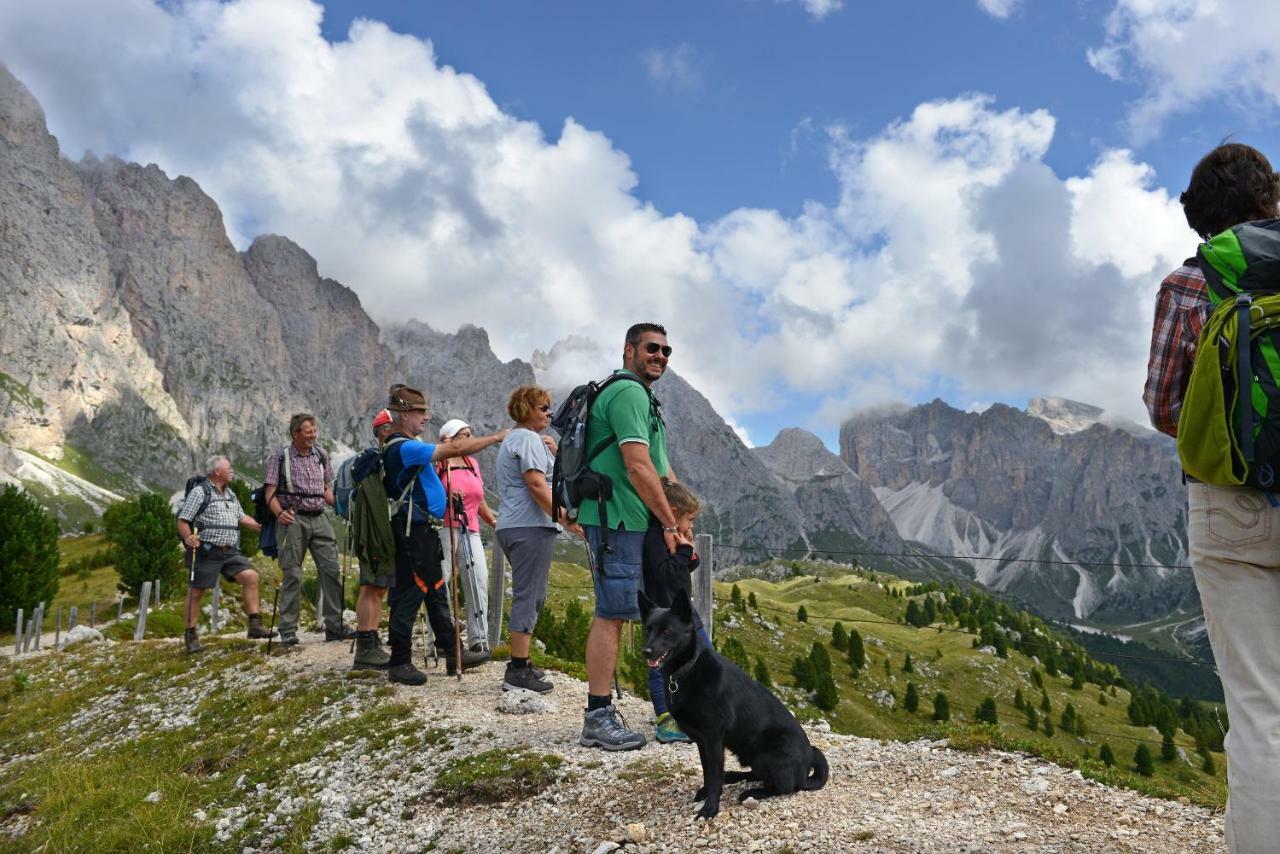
[314, 534]
[418, 557]
[1233, 535]
[473, 572]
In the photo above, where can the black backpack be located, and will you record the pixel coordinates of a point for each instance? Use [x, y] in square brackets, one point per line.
[572, 479]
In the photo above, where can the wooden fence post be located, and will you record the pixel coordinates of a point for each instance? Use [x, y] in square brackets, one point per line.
[57, 628]
[155, 594]
[703, 593]
[18, 629]
[144, 598]
[497, 587]
[72, 618]
[39, 630]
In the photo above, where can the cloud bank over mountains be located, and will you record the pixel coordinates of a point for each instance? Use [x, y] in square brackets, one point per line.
[953, 256]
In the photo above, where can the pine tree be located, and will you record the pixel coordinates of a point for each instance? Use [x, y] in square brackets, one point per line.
[941, 708]
[1048, 726]
[820, 659]
[1036, 678]
[1106, 755]
[839, 639]
[1102, 698]
[1142, 762]
[1033, 718]
[915, 616]
[751, 600]
[1018, 701]
[145, 545]
[1207, 765]
[1068, 719]
[986, 713]
[1077, 681]
[912, 701]
[857, 655]
[907, 666]
[802, 615]
[1045, 705]
[826, 694]
[1168, 750]
[735, 597]
[762, 673]
[802, 672]
[29, 555]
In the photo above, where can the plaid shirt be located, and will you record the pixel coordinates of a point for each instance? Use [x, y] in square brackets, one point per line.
[219, 524]
[1182, 308]
[308, 478]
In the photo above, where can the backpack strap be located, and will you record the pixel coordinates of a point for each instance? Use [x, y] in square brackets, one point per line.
[408, 488]
[204, 505]
[286, 473]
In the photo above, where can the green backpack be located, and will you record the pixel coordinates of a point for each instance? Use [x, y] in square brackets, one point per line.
[1221, 441]
[372, 540]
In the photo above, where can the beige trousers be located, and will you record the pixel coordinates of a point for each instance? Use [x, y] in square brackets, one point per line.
[1233, 535]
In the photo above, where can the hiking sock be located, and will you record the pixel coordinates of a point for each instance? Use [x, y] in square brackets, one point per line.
[602, 701]
[518, 663]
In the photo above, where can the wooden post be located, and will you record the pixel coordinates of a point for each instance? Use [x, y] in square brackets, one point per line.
[703, 593]
[155, 594]
[26, 637]
[72, 618]
[18, 628]
[215, 605]
[144, 598]
[57, 628]
[497, 586]
[93, 614]
[39, 629]
[119, 606]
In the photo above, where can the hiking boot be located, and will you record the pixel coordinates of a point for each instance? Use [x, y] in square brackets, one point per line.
[524, 678]
[406, 674]
[257, 630]
[288, 641]
[341, 634]
[602, 728]
[192, 642]
[369, 652]
[469, 660]
[668, 731]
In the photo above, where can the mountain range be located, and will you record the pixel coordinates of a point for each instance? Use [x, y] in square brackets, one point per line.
[138, 340]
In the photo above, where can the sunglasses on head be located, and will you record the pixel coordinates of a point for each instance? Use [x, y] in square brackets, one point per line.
[652, 347]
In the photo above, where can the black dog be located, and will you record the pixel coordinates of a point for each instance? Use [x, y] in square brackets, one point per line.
[719, 706]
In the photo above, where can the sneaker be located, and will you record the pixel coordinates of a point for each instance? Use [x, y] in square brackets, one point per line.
[469, 660]
[257, 630]
[602, 728]
[524, 678]
[369, 652]
[406, 674]
[341, 634]
[192, 642]
[668, 731]
[288, 641]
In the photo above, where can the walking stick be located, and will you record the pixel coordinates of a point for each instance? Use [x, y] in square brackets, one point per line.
[453, 571]
[591, 565]
[275, 602]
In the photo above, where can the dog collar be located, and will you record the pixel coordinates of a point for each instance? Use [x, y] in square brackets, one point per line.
[683, 670]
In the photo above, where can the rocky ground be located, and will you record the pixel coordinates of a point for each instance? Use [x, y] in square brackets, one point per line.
[917, 796]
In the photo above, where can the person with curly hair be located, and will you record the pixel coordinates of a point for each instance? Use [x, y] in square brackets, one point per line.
[1233, 533]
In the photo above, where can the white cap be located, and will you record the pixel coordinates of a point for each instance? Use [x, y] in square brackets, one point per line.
[451, 428]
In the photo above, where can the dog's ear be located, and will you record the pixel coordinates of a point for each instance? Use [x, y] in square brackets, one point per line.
[682, 607]
[646, 607]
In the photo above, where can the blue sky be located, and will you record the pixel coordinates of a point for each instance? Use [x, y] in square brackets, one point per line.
[833, 204]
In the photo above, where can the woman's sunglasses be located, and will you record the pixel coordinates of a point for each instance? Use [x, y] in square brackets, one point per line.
[652, 347]
[546, 407]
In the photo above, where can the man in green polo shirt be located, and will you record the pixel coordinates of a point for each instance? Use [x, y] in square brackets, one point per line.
[626, 418]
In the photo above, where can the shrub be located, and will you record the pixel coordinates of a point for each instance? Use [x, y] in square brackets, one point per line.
[1168, 751]
[1018, 702]
[802, 615]
[839, 638]
[826, 695]
[1207, 765]
[1033, 717]
[735, 597]
[941, 708]
[907, 666]
[733, 650]
[762, 673]
[29, 554]
[751, 600]
[145, 543]
[1107, 756]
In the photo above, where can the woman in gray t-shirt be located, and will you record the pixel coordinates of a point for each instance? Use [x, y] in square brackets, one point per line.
[525, 531]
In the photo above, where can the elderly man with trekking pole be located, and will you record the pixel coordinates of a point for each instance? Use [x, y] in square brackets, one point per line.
[409, 474]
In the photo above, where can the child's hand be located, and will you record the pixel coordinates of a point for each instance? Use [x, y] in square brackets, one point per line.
[684, 537]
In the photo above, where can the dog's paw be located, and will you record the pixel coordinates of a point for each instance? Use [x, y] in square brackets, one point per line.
[709, 811]
[701, 794]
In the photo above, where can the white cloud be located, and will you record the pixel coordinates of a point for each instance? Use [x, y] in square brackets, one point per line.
[678, 67]
[818, 9]
[950, 248]
[999, 8]
[1187, 52]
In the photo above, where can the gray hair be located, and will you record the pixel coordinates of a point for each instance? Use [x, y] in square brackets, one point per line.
[211, 465]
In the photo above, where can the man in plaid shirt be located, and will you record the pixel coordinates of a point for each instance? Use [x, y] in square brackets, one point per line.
[299, 485]
[209, 526]
[1233, 533]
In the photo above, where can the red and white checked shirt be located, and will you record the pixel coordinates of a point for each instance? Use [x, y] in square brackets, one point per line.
[308, 479]
[1182, 307]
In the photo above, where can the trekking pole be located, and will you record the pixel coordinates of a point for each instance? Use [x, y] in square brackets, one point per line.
[453, 572]
[469, 564]
[275, 602]
[591, 566]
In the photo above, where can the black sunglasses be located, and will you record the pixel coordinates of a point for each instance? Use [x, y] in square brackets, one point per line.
[652, 347]
[546, 407]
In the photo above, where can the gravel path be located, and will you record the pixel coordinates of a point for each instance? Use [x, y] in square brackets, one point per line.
[918, 796]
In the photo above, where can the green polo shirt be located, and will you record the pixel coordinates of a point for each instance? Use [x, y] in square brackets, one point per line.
[624, 412]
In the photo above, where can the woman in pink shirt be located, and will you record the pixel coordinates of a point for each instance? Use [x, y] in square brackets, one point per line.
[462, 480]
